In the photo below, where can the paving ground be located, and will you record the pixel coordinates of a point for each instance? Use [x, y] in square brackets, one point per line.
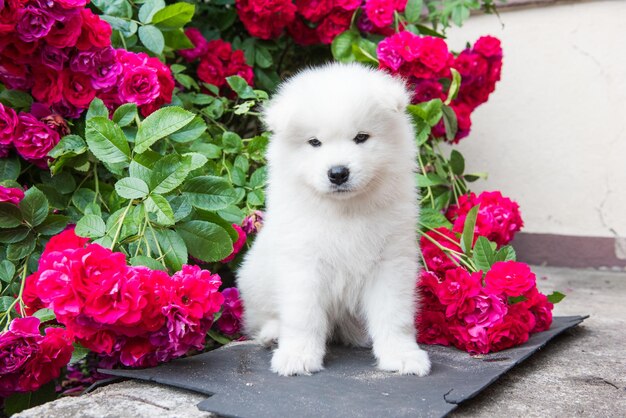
[580, 374]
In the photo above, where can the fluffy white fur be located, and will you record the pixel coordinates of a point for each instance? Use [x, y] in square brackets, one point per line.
[328, 263]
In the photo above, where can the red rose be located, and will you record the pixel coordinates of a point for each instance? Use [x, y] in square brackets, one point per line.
[211, 70]
[380, 12]
[302, 34]
[95, 32]
[66, 240]
[510, 277]
[488, 47]
[514, 330]
[55, 352]
[11, 195]
[427, 288]
[77, 89]
[313, 10]
[48, 86]
[65, 33]
[433, 328]
[334, 24]
[265, 19]
[237, 245]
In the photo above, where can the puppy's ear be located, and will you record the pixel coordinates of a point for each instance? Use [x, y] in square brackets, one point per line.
[275, 114]
[395, 94]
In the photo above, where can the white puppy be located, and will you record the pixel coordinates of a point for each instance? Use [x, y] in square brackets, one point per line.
[337, 255]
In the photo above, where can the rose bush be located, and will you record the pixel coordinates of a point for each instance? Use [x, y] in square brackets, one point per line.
[132, 175]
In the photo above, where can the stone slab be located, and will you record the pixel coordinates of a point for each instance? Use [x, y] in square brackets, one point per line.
[238, 381]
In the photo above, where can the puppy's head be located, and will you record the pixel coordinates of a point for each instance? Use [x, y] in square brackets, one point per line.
[340, 130]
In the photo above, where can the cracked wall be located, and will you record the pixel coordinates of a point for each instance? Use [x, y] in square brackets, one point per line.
[553, 135]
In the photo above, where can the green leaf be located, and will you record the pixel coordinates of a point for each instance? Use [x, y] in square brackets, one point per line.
[9, 168]
[457, 163]
[467, 238]
[53, 225]
[173, 247]
[430, 112]
[79, 353]
[241, 87]
[97, 109]
[455, 85]
[341, 46]
[262, 57]
[125, 114]
[169, 173]
[450, 122]
[158, 205]
[205, 241]
[63, 183]
[7, 271]
[107, 141]
[483, 255]
[217, 337]
[555, 297]
[232, 214]
[90, 226]
[132, 188]
[181, 207]
[516, 299]
[231, 142]
[45, 315]
[149, 8]
[194, 160]
[12, 235]
[209, 192]
[413, 10]
[190, 132]
[160, 124]
[19, 250]
[10, 215]
[18, 100]
[506, 253]
[431, 218]
[127, 28]
[259, 177]
[256, 197]
[460, 14]
[173, 16]
[6, 302]
[34, 206]
[118, 8]
[176, 39]
[430, 179]
[365, 51]
[83, 197]
[142, 260]
[152, 38]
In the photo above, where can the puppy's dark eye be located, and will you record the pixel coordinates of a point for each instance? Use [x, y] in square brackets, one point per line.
[361, 137]
[315, 142]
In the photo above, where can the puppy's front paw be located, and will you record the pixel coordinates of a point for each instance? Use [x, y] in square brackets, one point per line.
[291, 362]
[412, 361]
[268, 334]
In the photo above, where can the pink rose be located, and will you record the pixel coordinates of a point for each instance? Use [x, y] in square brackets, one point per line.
[487, 310]
[458, 286]
[33, 24]
[77, 89]
[65, 33]
[139, 85]
[95, 32]
[8, 123]
[433, 328]
[488, 47]
[34, 139]
[201, 45]
[48, 86]
[436, 259]
[510, 277]
[232, 310]
[11, 195]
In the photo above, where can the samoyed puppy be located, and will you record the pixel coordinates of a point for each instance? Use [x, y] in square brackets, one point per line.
[336, 258]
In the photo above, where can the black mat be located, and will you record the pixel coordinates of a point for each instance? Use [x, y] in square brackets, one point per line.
[239, 383]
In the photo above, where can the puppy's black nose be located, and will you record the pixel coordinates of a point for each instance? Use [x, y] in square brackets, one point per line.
[338, 174]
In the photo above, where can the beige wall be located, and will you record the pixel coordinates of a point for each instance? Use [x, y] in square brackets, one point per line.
[553, 135]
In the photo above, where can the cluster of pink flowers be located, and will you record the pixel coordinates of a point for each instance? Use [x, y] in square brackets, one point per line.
[135, 315]
[217, 60]
[424, 60]
[378, 16]
[32, 134]
[61, 52]
[28, 359]
[481, 315]
[498, 220]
